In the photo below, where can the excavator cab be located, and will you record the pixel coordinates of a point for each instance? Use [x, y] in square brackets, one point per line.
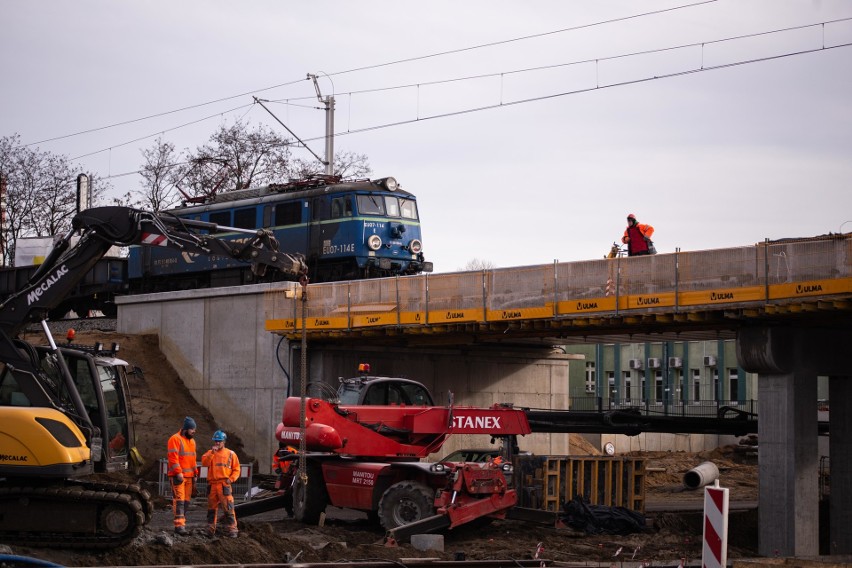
[101, 380]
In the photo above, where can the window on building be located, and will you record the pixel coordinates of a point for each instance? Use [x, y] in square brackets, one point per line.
[658, 386]
[696, 385]
[591, 378]
[733, 384]
[627, 386]
[642, 387]
[717, 394]
[610, 381]
[678, 386]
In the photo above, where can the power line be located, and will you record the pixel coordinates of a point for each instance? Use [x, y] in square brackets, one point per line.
[587, 90]
[150, 116]
[578, 62]
[159, 132]
[566, 93]
[367, 67]
[504, 73]
[522, 38]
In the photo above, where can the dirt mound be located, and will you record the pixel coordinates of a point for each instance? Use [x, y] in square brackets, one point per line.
[159, 399]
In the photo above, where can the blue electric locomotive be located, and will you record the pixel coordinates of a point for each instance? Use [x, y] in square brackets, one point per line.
[345, 229]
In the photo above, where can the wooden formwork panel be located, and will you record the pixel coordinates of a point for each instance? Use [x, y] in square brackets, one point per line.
[548, 482]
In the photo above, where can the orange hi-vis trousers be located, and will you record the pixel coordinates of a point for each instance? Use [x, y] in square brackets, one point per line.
[219, 494]
[181, 495]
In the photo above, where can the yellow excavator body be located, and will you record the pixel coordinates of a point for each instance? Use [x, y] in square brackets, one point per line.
[41, 441]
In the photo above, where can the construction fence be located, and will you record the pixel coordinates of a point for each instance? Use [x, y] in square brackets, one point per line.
[241, 488]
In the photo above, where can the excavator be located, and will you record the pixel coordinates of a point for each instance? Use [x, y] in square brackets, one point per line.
[63, 423]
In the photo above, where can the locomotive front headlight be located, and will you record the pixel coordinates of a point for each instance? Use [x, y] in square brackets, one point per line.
[374, 242]
[389, 183]
[415, 246]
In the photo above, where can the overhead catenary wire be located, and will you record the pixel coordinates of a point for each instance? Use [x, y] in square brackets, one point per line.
[501, 74]
[597, 87]
[581, 61]
[369, 67]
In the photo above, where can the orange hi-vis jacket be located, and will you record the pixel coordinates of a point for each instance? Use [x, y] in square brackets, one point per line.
[181, 456]
[222, 464]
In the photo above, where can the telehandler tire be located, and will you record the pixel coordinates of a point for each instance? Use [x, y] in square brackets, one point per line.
[310, 496]
[406, 502]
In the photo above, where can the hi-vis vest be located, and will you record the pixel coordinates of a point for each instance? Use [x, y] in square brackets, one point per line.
[181, 456]
[221, 465]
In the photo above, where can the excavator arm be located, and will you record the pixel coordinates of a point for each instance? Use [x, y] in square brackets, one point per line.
[100, 229]
[103, 227]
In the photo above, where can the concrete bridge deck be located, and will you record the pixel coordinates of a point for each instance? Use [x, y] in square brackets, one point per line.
[685, 295]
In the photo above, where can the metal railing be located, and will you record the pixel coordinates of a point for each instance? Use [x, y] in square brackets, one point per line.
[731, 277]
[702, 409]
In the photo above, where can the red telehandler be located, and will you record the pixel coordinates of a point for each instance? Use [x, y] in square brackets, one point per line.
[364, 453]
[57, 417]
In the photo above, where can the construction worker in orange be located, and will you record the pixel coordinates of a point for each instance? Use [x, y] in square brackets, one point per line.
[182, 471]
[638, 237]
[282, 464]
[223, 469]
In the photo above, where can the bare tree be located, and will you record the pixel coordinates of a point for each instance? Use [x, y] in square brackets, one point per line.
[159, 179]
[346, 165]
[40, 193]
[235, 158]
[477, 264]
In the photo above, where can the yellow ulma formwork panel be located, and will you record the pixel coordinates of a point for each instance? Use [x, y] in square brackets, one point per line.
[810, 288]
[614, 482]
[456, 315]
[520, 313]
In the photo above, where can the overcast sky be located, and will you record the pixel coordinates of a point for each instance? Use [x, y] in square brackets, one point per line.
[722, 157]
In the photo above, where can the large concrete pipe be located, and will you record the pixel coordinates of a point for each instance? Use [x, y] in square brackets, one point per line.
[701, 475]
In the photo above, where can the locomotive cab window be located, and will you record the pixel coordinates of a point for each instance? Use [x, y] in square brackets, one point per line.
[341, 207]
[245, 218]
[321, 209]
[371, 205]
[392, 206]
[408, 208]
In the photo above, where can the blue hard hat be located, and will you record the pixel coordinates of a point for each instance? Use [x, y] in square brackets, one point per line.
[219, 436]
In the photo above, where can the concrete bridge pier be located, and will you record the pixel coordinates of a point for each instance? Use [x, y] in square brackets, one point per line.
[840, 447]
[788, 361]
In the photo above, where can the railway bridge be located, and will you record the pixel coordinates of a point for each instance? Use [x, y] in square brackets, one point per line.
[788, 304]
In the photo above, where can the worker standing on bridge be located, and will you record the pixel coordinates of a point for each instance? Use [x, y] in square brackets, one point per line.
[638, 237]
[182, 471]
[223, 469]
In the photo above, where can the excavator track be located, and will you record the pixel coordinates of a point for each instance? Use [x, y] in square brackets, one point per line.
[74, 514]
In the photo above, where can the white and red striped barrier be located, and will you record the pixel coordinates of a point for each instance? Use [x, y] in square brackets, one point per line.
[715, 550]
